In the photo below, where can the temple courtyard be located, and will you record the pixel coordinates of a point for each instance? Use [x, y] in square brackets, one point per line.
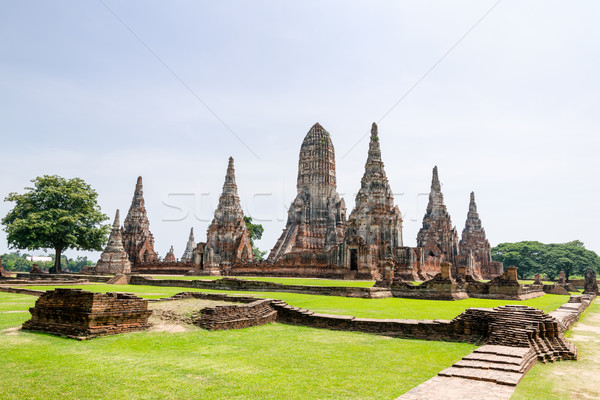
[177, 359]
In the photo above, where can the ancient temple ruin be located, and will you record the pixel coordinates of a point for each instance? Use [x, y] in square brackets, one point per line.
[113, 259]
[317, 241]
[374, 227]
[170, 257]
[188, 254]
[438, 238]
[228, 238]
[317, 217]
[474, 242]
[137, 238]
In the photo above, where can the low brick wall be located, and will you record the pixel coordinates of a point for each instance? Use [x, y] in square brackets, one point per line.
[22, 291]
[82, 315]
[257, 286]
[517, 326]
[163, 267]
[238, 316]
[327, 272]
[570, 312]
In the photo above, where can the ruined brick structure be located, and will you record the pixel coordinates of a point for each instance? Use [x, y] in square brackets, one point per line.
[137, 238]
[317, 241]
[188, 254]
[113, 259]
[591, 284]
[170, 257]
[474, 241]
[228, 238]
[374, 227]
[438, 237]
[317, 217]
[3, 272]
[82, 315]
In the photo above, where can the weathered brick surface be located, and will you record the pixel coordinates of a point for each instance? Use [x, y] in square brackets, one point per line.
[374, 228]
[438, 237]
[474, 241]
[137, 238]
[591, 284]
[317, 217]
[228, 238]
[79, 314]
[113, 259]
[238, 316]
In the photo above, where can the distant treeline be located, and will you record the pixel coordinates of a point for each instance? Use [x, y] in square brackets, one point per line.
[17, 262]
[547, 259]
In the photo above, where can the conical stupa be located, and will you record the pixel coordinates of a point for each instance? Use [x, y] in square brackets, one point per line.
[317, 217]
[189, 248]
[375, 218]
[113, 259]
[437, 236]
[137, 238]
[228, 238]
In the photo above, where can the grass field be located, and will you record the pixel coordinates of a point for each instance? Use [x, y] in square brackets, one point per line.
[285, 281]
[274, 361]
[364, 308]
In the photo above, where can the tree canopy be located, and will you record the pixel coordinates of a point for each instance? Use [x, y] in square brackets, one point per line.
[256, 231]
[538, 258]
[56, 213]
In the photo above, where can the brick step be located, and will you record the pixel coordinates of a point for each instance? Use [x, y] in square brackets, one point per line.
[492, 358]
[490, 365]
[500, 377]
[503, 350]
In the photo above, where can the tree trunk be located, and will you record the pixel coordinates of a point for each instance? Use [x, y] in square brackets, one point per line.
[57, 269]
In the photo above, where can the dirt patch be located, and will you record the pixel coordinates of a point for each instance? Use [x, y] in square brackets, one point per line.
[583, 338]
[581, 327]
[178, 315]
[159, 325]
[11, 331]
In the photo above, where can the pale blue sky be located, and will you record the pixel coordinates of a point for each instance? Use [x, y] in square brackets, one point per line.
[510, 113]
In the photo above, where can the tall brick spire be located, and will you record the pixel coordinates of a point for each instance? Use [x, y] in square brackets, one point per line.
[474, 239]
[437, 235]
[375, 218]
[137, 238]
[189, 248]
[228, 239]
[317, 217]
[113, 259]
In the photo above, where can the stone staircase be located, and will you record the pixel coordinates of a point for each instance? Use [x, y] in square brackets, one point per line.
[503, 365]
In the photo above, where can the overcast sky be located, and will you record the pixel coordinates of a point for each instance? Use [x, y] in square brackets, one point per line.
[502, 96]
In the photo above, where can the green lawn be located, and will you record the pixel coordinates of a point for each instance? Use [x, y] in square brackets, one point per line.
[285, 281]
[364, 308]
[569, 380]
[274, 361]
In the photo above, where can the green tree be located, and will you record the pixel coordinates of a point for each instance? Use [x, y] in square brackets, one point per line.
[56, 213]
[538, 258]
[256, 231]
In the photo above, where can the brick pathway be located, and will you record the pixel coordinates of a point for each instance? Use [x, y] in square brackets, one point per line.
[490, 372]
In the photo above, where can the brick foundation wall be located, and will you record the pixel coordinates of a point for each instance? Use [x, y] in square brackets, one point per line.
[257, 313]
[163, 268]
[79, 314]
